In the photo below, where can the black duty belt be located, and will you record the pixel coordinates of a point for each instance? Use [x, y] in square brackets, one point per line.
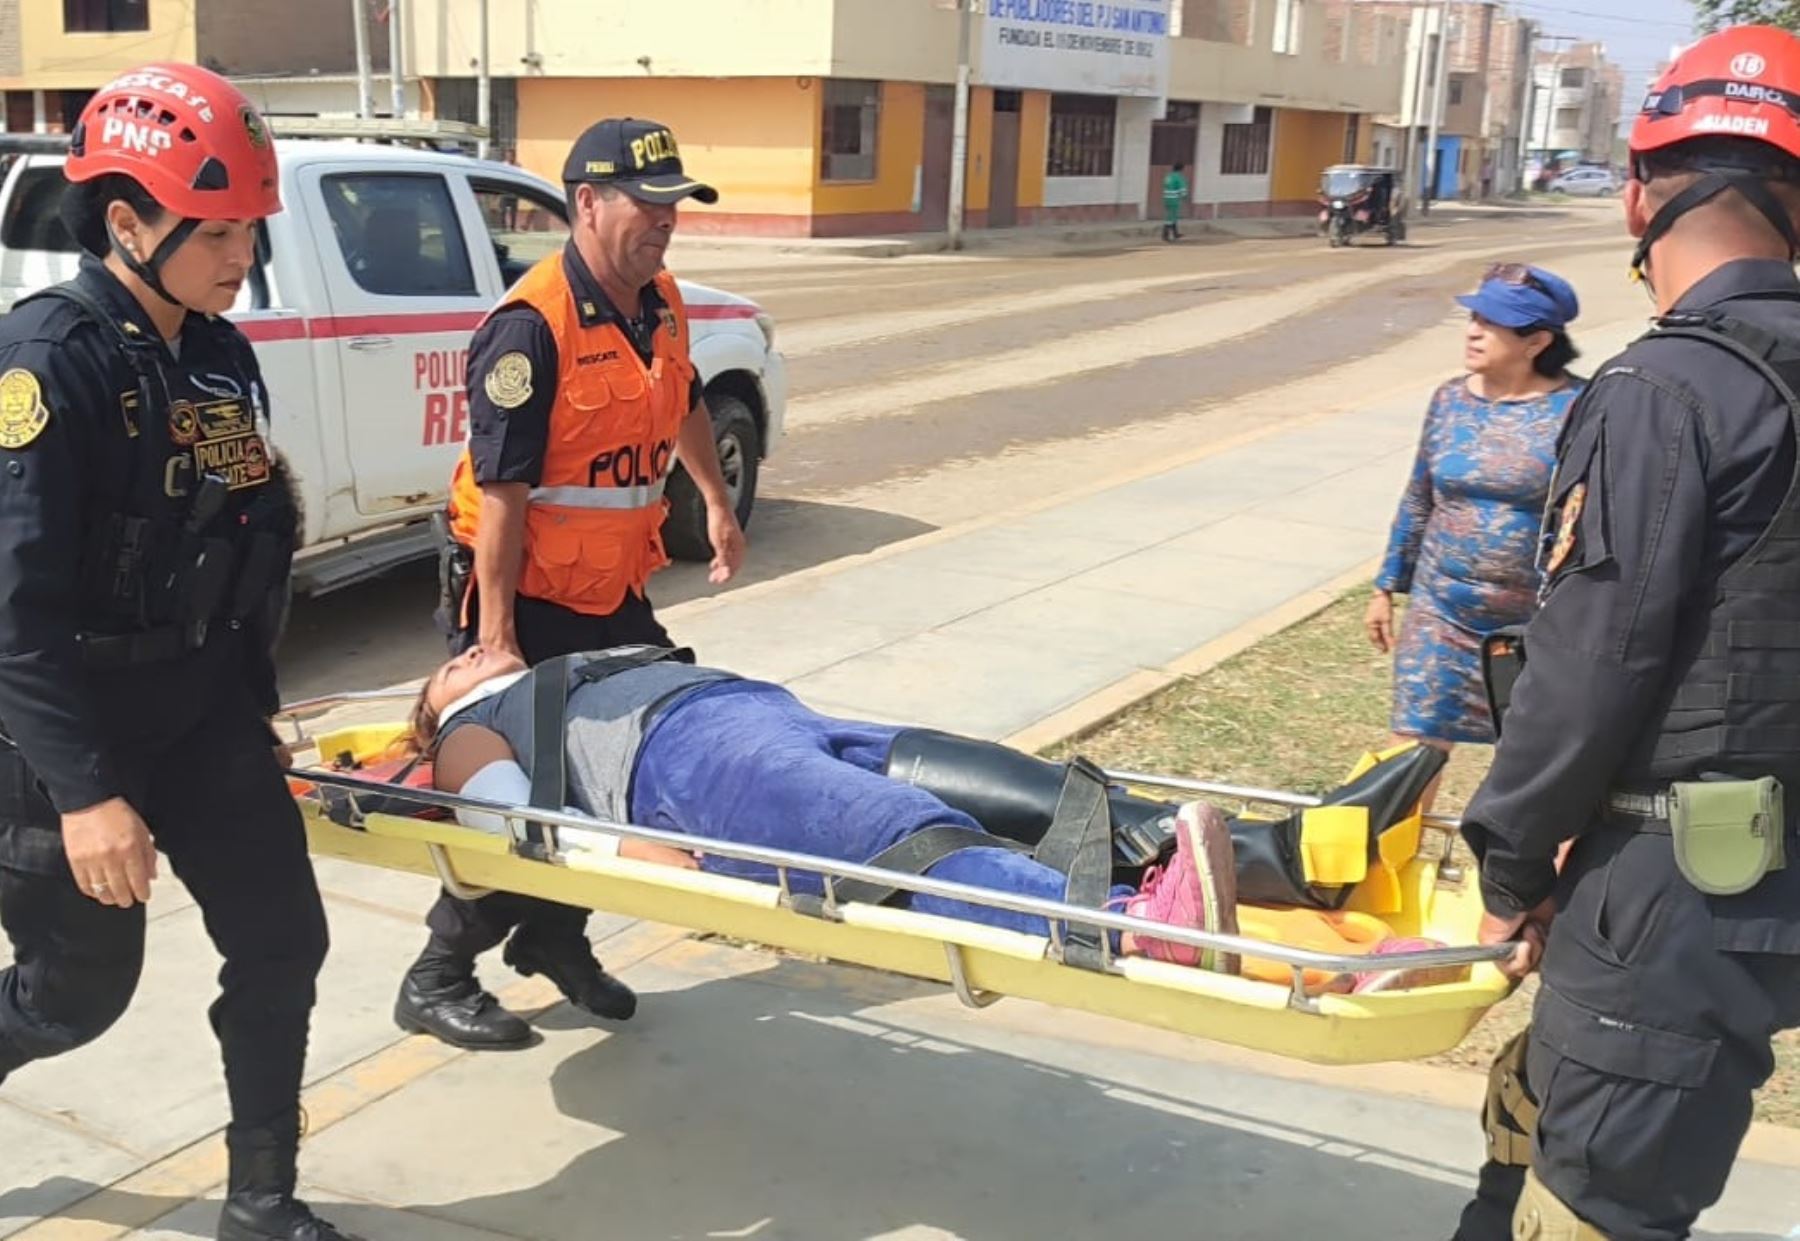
[1650, 806]
[145, 646]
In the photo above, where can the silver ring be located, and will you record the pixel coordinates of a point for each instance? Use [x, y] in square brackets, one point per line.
[98, 887]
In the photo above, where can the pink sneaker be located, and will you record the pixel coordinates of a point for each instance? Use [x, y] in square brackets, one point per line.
[1197, 890]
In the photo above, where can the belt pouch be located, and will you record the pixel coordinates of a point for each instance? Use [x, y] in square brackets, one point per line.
[1728, 833]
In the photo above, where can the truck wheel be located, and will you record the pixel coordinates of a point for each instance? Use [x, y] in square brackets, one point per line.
[740, 454]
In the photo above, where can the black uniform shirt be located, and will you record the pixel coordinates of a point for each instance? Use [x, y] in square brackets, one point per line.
[77, 456]
[1674, 462]
[508, 445]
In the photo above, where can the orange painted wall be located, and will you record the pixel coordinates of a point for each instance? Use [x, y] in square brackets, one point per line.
[753, 138]
[899, 146]
[1034, 146]
[1306, 143]
[980, 171]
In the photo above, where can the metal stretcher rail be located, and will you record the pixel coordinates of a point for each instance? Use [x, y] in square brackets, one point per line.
[1240, 792]
[569, 830]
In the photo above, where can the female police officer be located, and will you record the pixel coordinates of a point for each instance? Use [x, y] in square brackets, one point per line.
[146, 535]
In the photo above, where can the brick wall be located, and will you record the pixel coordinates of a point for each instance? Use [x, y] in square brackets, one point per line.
[279, 36]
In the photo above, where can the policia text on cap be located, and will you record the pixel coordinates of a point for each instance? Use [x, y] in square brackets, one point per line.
[1657, 716]
[582, 397]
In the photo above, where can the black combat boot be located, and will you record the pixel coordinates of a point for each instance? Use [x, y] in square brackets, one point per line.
[260, 1203]
[439, 996]
[570, 964]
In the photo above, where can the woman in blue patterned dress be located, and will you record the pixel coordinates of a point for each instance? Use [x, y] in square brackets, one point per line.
[1465, 542]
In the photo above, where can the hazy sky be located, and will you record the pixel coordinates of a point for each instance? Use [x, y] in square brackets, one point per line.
[1638, 33]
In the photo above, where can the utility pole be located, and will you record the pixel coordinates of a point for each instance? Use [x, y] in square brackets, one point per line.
[1528, 113]
[1437, 103]
[365, 87]
[397, 59]
[959, 127]
[1421, 59]
[484, 104]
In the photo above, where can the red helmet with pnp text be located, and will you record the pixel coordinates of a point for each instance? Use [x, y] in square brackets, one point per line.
[1743, 82]
[189, 137]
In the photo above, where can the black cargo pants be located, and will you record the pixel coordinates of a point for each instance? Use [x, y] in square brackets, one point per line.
[465, 929]
[1646, 1045]
[219, 809]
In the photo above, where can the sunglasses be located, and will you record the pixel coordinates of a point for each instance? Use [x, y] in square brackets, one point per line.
[1516, 274]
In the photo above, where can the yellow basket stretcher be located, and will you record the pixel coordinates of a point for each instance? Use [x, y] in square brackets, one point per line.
[981, 963]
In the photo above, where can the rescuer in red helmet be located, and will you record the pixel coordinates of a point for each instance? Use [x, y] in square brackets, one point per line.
[146, 537]
[1657, 717]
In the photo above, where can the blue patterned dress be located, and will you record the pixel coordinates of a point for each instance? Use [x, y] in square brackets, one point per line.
[1464, 549]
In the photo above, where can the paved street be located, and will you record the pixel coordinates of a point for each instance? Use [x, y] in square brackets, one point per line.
[935, 390]
[1018, 491]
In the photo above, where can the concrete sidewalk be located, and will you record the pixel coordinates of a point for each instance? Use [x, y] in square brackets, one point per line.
[762, 1097]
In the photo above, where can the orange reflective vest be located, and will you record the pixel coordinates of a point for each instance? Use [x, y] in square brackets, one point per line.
[594, 528]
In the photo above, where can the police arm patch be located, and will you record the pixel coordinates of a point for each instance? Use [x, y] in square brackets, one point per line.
[508, 382]
[23, 414]
[1568, 522]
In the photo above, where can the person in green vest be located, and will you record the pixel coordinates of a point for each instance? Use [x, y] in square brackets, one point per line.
[1175, 192]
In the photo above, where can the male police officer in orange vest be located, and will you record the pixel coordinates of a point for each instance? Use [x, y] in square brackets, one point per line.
[581, 396]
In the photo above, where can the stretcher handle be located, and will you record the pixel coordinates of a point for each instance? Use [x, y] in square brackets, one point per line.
[570, 831]
[1241, 792]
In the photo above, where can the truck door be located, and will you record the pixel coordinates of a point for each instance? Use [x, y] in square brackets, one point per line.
[404, 297]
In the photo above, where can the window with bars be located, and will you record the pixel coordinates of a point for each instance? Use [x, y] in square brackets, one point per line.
[105, 16]
[849, 123]
[1081, 136]
[1245, 152]
[1352, 137]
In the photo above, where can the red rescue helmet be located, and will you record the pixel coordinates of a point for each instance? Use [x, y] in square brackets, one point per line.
[1742, 83]
[188, 136]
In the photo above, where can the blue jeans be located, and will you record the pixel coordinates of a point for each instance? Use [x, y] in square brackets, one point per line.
[746, 761]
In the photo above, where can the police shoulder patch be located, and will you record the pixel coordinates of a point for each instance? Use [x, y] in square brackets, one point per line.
[1568, 522]
[508, 382]
[23, 414]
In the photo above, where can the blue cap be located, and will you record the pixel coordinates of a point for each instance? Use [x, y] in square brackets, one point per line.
[1532, 298]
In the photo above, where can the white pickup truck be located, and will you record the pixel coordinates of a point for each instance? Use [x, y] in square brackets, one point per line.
[370, 284]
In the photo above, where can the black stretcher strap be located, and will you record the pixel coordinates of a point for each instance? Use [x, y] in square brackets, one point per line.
[550, 722]
[1079, 844]
[916, 854]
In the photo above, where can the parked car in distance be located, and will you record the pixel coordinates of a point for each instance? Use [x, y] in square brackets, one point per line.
[1586, 183]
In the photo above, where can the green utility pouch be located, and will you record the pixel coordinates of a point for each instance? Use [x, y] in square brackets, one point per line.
[1728, 833]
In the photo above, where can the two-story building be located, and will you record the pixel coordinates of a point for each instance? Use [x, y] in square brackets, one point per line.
[295, 59]
[1580, 94]
[836, 117]
[1476, 96]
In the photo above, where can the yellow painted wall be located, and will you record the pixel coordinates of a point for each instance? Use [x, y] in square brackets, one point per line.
[52, 60]
[1365, 140]
[899, 148]
[1306, 143]
[1034, 146]
[980, 171]
[595, 39]
[753, 138]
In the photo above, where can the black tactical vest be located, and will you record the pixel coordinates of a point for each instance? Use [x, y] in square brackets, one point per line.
[180, 554]
[1732, 705]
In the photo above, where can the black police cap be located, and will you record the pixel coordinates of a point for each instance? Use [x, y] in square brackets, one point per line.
[639, 157]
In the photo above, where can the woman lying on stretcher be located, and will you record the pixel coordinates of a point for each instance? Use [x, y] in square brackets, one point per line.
[702, 752]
